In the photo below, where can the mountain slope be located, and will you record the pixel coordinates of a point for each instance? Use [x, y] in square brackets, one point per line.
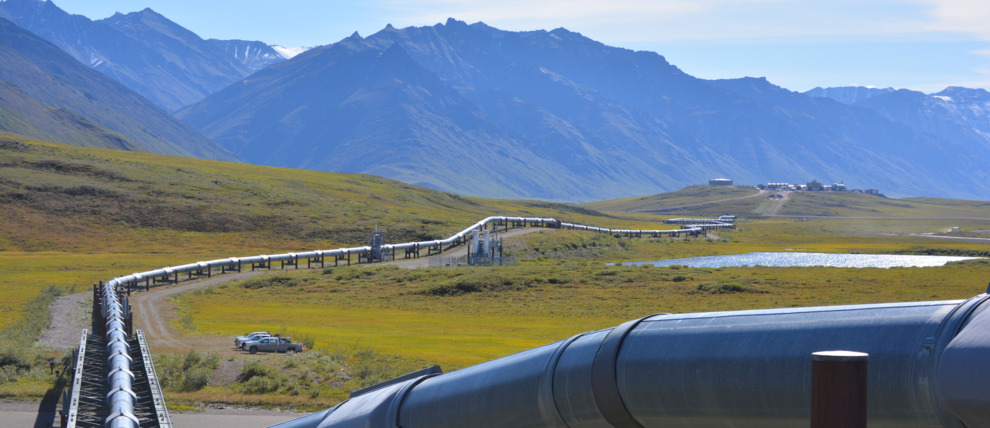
[334, 116]
[151, 55]
[20, 114]
[959, 117]
[956, 114]
[593, 121]
[43, 73]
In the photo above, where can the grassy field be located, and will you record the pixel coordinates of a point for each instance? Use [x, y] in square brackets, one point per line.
[457, 317]
[462, 316]
[389, 321]
[71, 216]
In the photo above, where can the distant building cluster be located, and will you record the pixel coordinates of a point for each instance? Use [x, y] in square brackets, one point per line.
[813, 186]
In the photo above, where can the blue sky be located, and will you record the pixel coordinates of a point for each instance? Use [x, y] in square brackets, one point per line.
[924, 45]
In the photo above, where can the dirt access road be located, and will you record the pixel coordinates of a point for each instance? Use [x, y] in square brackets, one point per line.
[771, 206]
[153, 312]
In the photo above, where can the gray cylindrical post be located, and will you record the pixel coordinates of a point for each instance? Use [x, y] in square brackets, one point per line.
[838, 389]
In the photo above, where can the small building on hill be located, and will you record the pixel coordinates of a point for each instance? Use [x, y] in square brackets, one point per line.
[720, 182]
[778, 186]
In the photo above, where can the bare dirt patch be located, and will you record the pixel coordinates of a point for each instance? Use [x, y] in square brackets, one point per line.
[771, 206]
[70, 314]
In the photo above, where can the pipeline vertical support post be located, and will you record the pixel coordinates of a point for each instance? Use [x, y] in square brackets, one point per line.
[838, 389]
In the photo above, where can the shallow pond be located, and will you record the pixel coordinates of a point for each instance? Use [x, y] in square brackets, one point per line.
[807, 259]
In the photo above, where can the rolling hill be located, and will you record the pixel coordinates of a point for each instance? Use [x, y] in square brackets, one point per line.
[95, 192]
[746, 202]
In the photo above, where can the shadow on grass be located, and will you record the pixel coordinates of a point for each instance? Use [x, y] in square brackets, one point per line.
[48, 409]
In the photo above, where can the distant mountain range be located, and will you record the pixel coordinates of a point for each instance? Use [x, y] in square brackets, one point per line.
[151, 55]
[554, 115]
[47, 94]
[479, 111]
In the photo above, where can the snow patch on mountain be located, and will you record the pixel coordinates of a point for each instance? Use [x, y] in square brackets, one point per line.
[288, 53]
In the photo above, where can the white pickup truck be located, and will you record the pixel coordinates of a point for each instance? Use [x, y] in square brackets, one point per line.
[240, 340]
[273, 344]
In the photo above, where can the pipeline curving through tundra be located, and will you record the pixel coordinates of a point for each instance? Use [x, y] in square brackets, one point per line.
[122, 398]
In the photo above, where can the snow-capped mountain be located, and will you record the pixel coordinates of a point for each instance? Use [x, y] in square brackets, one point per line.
[254, 55]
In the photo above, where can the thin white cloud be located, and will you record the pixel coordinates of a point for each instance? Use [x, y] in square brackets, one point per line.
[546, 11]
[961, 16]
[666, 20]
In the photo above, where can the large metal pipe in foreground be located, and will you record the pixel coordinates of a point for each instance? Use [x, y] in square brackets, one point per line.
[744, 369]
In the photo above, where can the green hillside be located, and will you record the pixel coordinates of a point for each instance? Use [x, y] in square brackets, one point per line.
[695, 199]
[77, 215]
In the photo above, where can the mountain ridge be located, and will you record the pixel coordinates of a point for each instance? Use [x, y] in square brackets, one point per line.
[599, 121]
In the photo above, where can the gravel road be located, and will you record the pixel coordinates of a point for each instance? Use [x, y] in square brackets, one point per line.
[70, 315]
